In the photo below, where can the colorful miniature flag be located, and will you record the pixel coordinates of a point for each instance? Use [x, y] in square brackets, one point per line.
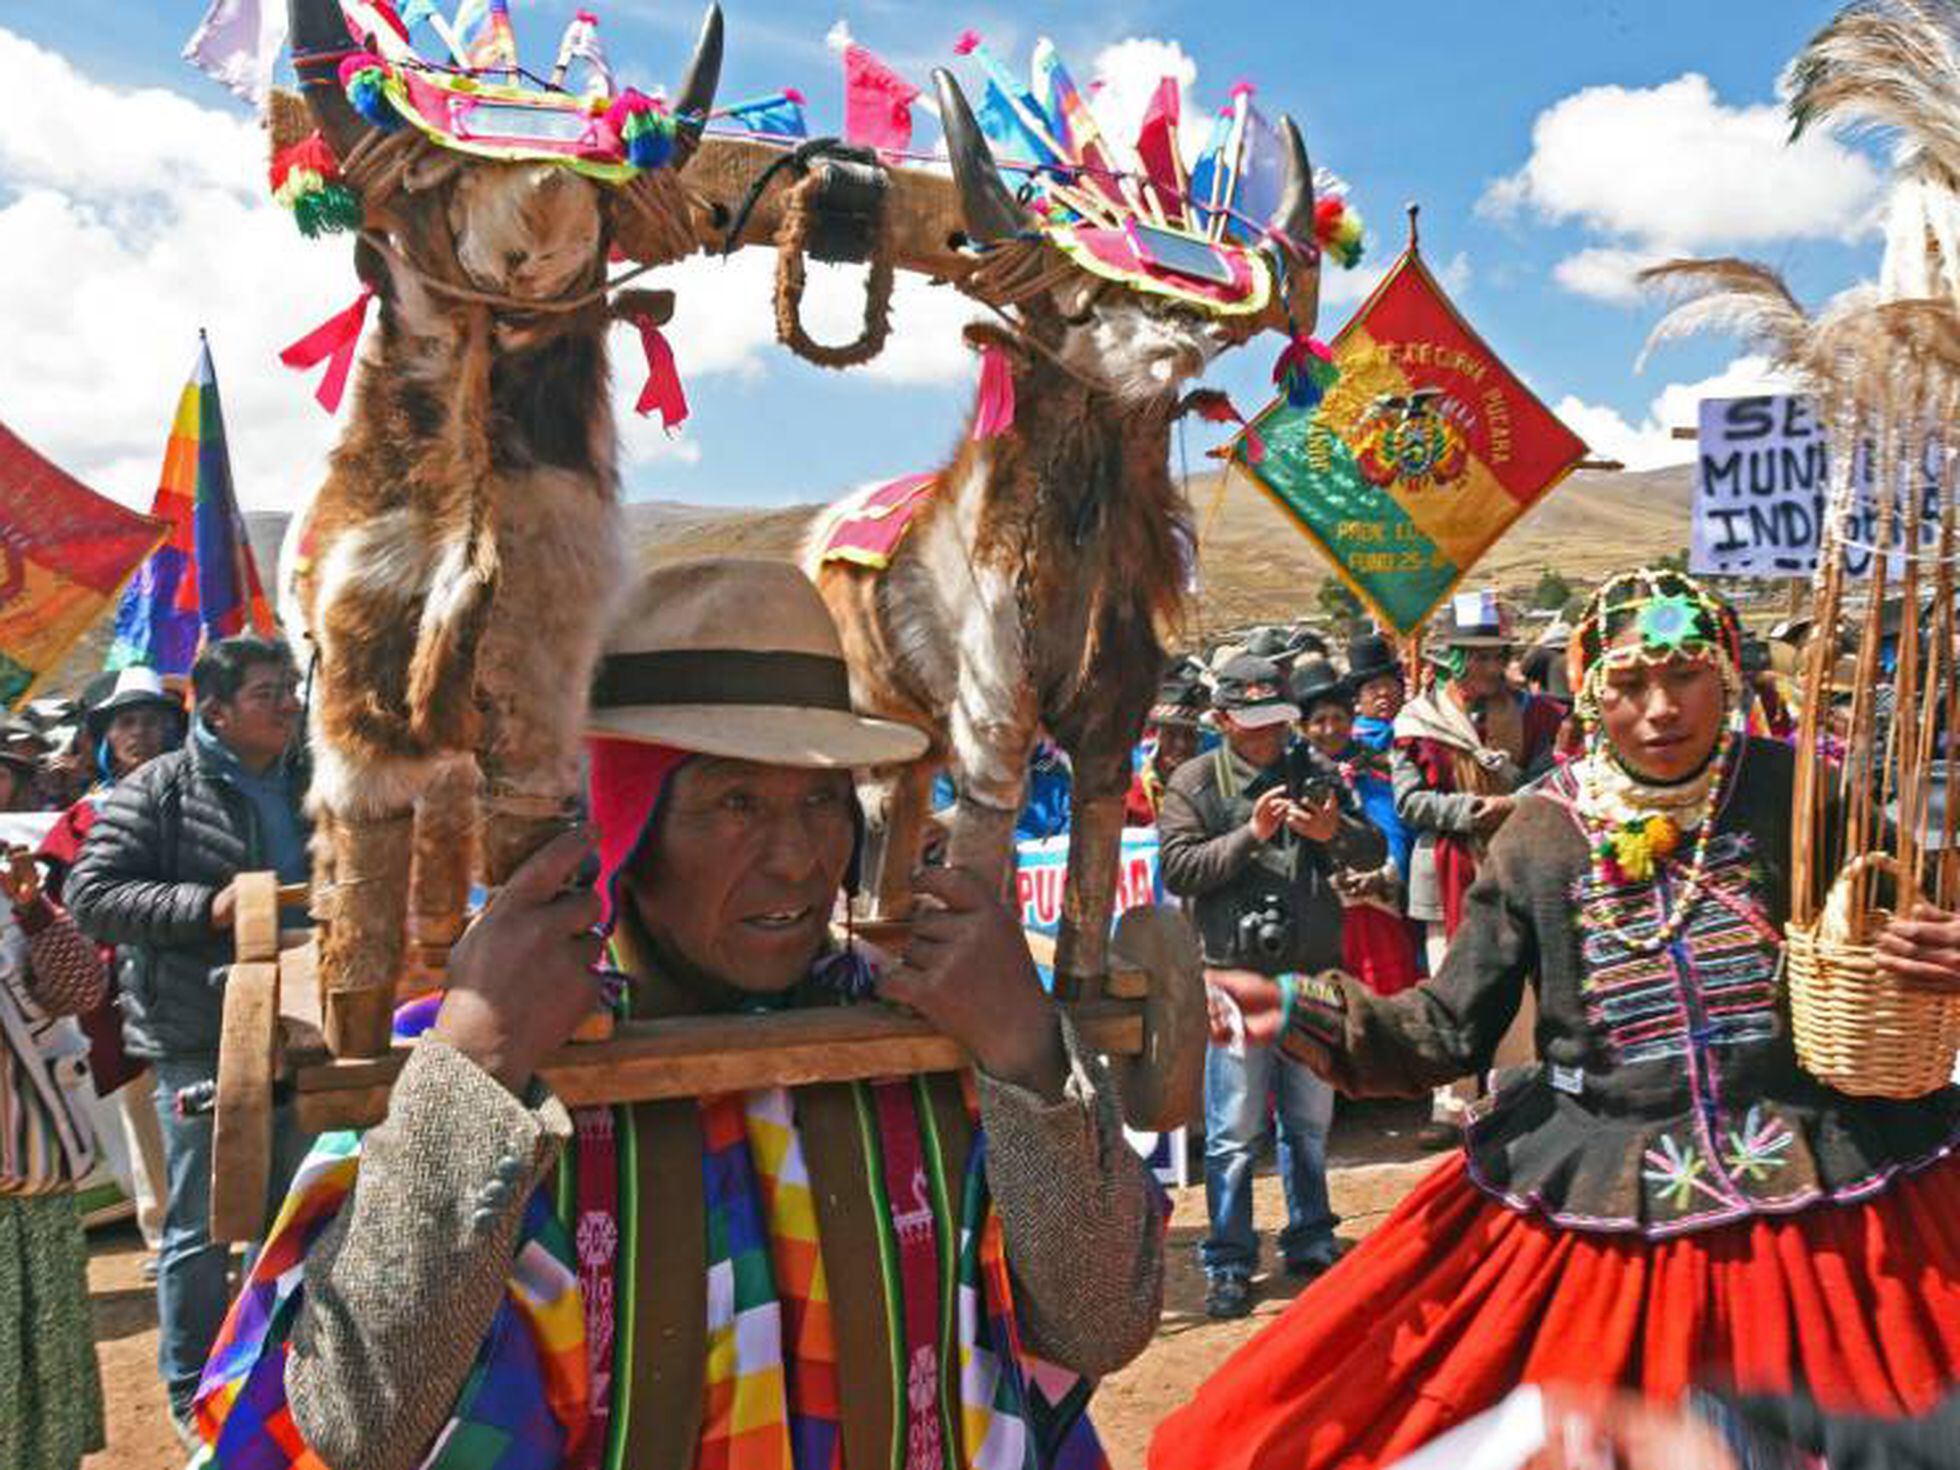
[780, 116]
[1157, 146]
[581, 43]
[1007, 113]
[1420, 454]
[237, 44]
[65, 552]
[877, 102]
[495, 46]
[202, 582]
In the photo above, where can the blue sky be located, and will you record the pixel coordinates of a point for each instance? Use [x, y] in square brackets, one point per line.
[1550, 145]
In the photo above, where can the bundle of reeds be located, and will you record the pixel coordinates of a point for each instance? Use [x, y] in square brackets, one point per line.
[1884, 366]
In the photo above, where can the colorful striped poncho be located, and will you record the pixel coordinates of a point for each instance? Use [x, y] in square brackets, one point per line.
[556, 1383]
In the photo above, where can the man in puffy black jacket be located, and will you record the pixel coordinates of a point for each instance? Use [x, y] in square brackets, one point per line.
[155, 879]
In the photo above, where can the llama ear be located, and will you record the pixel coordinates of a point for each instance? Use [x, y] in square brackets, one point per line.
[695, 98]
[320, 38]
[1295, 215]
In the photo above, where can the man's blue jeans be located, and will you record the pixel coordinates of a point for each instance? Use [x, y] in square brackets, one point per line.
[1237, 1092]
[193, 1274]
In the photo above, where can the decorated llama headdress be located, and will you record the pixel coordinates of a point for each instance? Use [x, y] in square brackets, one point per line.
[1224, 233]
[484, 103]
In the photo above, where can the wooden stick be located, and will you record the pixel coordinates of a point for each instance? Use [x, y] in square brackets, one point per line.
[922, 210]
[1947, 888]
[1819, 657]
[1862, 746]
[694, 1056]
[1903, 779]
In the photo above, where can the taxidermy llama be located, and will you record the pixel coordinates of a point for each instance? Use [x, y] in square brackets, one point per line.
[1029, 591]
[464, 551]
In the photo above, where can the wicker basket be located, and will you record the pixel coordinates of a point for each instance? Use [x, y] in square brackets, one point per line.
[1856, 1030]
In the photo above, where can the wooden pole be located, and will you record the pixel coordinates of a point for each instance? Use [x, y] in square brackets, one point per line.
[692, 1056]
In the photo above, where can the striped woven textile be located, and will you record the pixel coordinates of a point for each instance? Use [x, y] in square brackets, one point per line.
[542, 1396]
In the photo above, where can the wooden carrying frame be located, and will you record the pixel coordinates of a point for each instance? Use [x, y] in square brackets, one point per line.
[1150, 1022]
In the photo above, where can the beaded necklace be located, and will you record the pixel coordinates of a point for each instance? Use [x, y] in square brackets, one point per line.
[1632, 826]
[1628, 846]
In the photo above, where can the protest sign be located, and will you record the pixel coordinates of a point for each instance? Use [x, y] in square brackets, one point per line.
[1042, 869]
[1763, 485]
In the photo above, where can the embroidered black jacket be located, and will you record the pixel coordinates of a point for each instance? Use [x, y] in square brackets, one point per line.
[1667, 1097]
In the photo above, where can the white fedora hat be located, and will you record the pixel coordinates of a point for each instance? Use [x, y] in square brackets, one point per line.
[738, 657]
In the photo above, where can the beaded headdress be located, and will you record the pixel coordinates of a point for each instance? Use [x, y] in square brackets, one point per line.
[1675, 616]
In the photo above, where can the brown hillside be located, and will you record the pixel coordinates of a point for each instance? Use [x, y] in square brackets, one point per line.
[1256, 565]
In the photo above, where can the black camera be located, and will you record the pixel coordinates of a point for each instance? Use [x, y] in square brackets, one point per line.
[1266, 930]
[1304, 780]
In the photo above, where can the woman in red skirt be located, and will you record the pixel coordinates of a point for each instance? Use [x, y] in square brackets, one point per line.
[1666, 1198]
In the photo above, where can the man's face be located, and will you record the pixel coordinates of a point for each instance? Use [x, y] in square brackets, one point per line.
[1663, 719]
[1380, 698]
[1257, 745]
[740, 876]
[136, 736]
[1176, 744]
[1329, 725]
[1485, 672]
[259, 721]
[15, 786]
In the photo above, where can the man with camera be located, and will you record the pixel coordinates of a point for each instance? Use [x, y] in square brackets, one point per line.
[1252, 835]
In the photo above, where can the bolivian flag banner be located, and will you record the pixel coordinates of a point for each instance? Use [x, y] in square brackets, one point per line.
[1423, 453]
[65, 552]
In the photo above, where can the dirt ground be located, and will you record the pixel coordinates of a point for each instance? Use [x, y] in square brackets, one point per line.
[1373, 1160]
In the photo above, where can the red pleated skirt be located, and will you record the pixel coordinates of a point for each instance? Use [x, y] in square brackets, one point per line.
[1455, 1300]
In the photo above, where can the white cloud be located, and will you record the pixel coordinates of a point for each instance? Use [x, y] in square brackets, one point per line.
[1127, 75]
[1671, 169]
[1651, 444]
[1606, 273]
[129, 219]
[725, 320]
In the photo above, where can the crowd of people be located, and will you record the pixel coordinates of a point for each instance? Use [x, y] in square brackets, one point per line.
[1403, 881]
[163, 796]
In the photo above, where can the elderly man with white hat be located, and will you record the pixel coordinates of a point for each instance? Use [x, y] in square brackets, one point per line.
[845, 1274]
[1461, 748]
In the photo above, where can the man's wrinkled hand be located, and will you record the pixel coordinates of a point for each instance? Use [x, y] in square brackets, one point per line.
[966, 969]
[1316, 821]
[224, 907]
[522, 979]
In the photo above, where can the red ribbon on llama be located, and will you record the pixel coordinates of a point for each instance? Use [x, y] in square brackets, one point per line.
[332, 342]
[663, 389]
[993, 412]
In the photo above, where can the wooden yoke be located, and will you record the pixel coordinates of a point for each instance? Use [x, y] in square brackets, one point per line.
[1152, 1027]
[248, 1061]
[922, 210]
